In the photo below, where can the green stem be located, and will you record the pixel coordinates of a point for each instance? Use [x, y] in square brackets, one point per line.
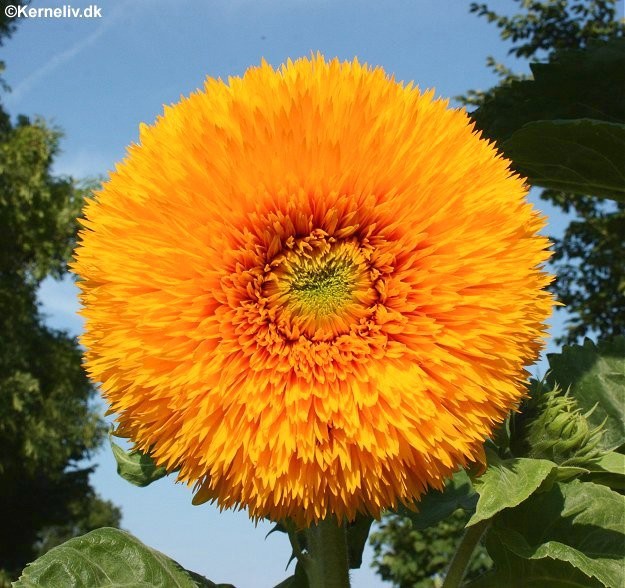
[327, 566]
[462, 557]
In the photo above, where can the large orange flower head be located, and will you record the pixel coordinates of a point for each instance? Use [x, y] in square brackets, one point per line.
[312, 290]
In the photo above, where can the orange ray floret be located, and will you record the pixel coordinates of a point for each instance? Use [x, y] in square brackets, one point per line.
[312, 290]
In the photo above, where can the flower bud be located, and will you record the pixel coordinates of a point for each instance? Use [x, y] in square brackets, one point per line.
[560, 432]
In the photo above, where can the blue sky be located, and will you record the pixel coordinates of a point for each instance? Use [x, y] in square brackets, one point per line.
[97, 79]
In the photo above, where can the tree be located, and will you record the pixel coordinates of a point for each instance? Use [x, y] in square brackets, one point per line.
[413, 558]
[590, 279]
[590, 274]
[48, 426]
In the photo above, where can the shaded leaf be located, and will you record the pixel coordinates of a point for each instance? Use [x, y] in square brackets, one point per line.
[506, 483]
[512, 571]
[595, 375]
[580, 523]
[136, 467]
[436, 506]
[583, 156]
[108, 558]
[611, 462]
[572, 85]
[608, 470]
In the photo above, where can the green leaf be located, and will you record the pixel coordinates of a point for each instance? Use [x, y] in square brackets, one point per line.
[506, 483]
[595, 376]
[136, 467]
[581, 523]
[357, 534]
[608, 470]
[583, 156]
[108, 558]
[437, 506]
[512, 571]
[561, 474]
[574, 84]
[609, 463]
[564, 129]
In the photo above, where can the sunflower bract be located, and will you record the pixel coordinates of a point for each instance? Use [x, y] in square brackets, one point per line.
[312, 290]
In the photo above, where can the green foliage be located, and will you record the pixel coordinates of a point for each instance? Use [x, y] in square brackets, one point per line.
[86, 514]
[47, 424]
[590, 273]
[417, 558]
[549, 500]
[507, 483]
[583, 156]
[580, 540]
[564, 129]
[581, 524]
[609, 470]
[574, 84]
[554, 24]
[413, 548]
[136, 467]
[546, 27]
[570, 85]
[436, 506]
[108, 558]
[516, 572]
[37, 210]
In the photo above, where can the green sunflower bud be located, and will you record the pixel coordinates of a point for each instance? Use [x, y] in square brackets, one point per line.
[560, 432]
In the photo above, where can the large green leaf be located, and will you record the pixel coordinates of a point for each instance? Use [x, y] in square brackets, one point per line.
[583, 156]
[580, 523]
[436, 506]
[564, 129]
[574, 84]
[595, 376]
[512, 571]
[136, 467]
[108, 558]
[506, 483]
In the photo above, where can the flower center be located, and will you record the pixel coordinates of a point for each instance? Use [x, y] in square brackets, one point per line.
[323, 286]
[320, 288]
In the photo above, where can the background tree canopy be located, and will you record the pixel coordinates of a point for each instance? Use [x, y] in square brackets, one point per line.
[590, 274]
[48, 425]
[579, 89]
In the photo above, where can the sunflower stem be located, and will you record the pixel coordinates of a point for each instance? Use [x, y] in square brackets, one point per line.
[464, 551]
[328, 566]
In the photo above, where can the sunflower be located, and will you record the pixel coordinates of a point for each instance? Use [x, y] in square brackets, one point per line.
[312, 290]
